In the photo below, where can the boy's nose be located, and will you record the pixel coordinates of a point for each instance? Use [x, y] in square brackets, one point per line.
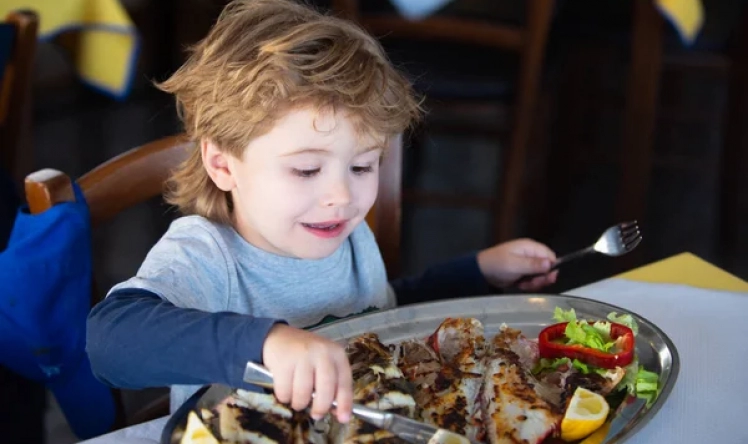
[338, 194]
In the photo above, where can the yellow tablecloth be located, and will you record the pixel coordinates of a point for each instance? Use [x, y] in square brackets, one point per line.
[108, 44]
[687, 269]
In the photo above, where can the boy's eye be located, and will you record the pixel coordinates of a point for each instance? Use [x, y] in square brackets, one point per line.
[306, 173]
[362, 169]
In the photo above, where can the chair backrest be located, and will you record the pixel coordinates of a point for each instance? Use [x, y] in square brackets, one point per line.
[139, 175]
[527, 39]
[18, 35]
[509, 36]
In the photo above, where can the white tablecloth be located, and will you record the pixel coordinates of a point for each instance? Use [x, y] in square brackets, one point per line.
[709, 403]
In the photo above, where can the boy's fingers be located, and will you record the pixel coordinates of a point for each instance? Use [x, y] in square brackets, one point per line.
[537, 249]
[325, 378]
[539, 281]
[553, 277]
[282, 384]
[344, 395]
[303, 384]
[536, 283]
[530, 265]
[527, 286]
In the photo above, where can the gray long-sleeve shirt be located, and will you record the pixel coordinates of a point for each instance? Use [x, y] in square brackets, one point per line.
[204, 299]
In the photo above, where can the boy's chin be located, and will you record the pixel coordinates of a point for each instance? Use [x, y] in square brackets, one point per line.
[314, 254]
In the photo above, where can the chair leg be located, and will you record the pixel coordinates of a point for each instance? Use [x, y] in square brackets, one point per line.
[515, 158]
[640, 114]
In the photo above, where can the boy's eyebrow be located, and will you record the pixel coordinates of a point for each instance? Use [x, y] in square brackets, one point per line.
[326, 151]
[307, 150]
[370, 148]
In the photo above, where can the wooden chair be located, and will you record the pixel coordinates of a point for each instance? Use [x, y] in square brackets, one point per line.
[112, 187]
[527, 41]
[15, 94]
[139, 175]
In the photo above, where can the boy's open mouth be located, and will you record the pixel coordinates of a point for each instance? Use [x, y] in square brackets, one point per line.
[325, 229]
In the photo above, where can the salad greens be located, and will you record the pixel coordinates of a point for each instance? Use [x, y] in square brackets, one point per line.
[637, 381]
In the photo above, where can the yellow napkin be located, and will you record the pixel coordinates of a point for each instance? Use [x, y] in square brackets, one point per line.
[686, 15]
[687, 269]
[108, 44]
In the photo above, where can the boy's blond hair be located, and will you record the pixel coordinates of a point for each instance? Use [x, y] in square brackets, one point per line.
[262, 58]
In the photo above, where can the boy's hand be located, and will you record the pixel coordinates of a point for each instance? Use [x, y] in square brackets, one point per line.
[302, 363]
[503, 264]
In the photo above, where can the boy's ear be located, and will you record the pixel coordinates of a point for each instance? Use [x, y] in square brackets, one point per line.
[217, 165]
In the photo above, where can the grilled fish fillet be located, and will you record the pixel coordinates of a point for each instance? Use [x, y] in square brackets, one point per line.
[513, 411]
[250, 417]
[379, 384]
[446, 371]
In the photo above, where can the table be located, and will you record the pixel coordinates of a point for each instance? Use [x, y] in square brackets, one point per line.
[701, 307]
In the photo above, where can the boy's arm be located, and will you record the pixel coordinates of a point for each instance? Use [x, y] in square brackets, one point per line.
[132, 326]
[456, 278]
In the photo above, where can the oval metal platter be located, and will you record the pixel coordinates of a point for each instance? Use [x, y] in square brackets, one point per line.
[529, 313]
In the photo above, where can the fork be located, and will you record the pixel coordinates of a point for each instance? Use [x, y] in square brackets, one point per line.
[615, 241]
[403, 427]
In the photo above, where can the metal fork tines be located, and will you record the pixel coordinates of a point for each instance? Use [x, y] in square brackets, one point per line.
[619, 239]
[615, 241]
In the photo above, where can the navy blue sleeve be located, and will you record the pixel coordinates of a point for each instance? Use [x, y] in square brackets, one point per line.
[136, 340]
[456, 278]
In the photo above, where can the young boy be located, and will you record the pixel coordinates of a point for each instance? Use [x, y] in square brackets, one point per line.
[290, 111]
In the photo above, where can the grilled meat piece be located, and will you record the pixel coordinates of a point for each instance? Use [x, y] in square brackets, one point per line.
[458, 339]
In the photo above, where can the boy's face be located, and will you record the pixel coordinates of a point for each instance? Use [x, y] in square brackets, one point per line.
[301, 188]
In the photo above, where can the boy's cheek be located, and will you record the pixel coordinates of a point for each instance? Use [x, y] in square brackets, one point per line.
[370, 197]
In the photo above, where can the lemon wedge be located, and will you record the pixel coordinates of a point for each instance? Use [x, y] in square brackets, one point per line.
[196, 432]
[598, 436]
[587, 411]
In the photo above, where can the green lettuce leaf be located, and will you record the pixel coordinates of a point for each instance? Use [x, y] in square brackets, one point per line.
[640, 382]
[560, 315]
[588, 335]
[625, 319]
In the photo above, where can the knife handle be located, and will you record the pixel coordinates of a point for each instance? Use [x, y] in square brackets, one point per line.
[257, 374]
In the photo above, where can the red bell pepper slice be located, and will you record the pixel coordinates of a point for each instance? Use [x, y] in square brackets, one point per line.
[549, 348]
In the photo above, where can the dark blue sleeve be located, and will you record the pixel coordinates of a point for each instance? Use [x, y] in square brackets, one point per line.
[456, 278]
[136, 340]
